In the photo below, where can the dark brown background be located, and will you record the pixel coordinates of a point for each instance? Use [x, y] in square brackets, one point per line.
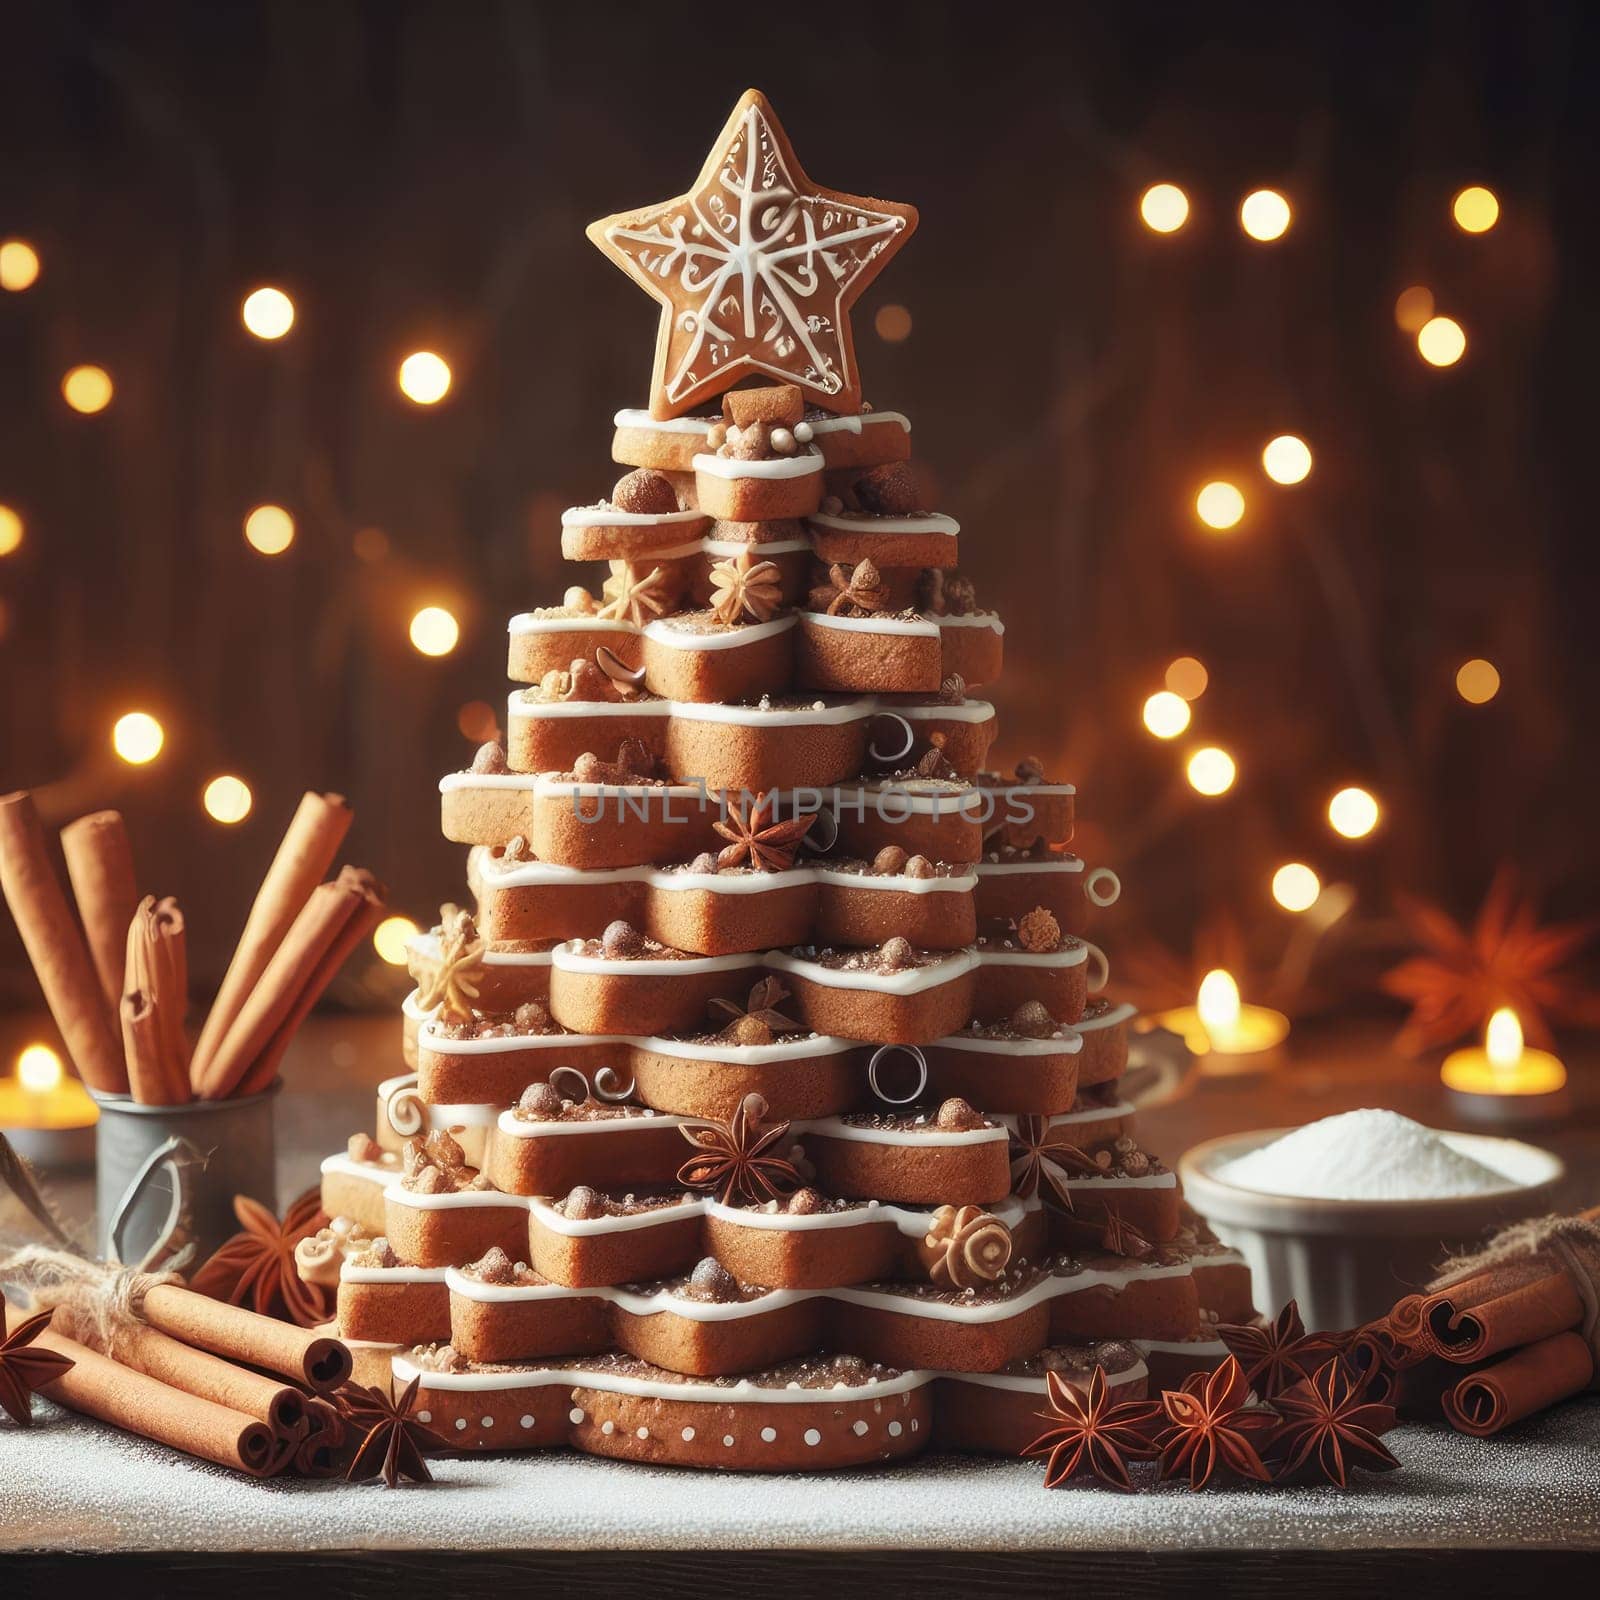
[418, 175]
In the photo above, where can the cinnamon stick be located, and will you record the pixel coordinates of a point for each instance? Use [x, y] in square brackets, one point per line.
[321, 1363]
[153, 1003]
[56, 947]
[1493, 1311]
[158, 1355]
[302, 966]
[364, 917]
[103, 1388]
[100, 870]
[1538, 1375]
[304, 856]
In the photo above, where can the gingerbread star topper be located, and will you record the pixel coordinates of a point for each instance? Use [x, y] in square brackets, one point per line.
[756, 269]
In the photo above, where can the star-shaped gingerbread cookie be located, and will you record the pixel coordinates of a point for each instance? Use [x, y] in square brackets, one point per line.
[756, 269]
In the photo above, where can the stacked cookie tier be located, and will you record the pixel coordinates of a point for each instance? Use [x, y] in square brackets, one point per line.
[764, 1111]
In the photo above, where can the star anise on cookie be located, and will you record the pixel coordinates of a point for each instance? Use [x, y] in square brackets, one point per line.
[451, 983]
[1039, 1157]
[735, 1157]
[25, 1370]
[257, 1264]
[1090, 1434]
[635, 599]
[744, 587]
[1275, 1355]
[766, 995]
[395, 1445]
[1330, 1427]
[861, 588]
[755, 835]
[1209, 1425]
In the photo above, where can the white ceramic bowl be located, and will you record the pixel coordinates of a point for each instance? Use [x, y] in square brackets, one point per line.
[1348, 1261]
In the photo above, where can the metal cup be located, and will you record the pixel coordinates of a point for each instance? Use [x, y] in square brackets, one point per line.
[139, 1196]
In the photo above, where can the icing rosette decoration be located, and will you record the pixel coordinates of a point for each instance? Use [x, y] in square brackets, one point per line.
[965, 1246]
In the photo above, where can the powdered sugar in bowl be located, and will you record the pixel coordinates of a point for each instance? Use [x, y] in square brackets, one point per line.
[1348, 1214]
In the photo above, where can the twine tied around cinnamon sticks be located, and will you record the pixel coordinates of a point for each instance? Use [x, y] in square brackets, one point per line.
[118, 987]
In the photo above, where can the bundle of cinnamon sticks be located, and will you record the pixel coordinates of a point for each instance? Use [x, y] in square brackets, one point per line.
[184, 1372]
[118, 986]
[1502, 1335]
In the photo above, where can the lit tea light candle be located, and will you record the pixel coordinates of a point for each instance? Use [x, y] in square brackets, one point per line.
[1505, 1081]
[48, 1117]
[1227, 1034]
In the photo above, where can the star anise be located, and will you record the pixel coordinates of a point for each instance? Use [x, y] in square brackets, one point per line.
[1209, 1424]
[25, 1370]
[860, 588]
[1037, 1156]
[630, 598]
[1275, 1355]
[756, 836]
[741, 587]
[1091, 1435]
[734, 1157]
[1330, 1427]
[395, 1444]
[1121, 1238]
[766, 995]
[451, 983]
[257, 1265]
[1505, 958]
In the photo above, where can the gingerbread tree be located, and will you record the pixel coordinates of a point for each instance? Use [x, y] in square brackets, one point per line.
[764, 1112]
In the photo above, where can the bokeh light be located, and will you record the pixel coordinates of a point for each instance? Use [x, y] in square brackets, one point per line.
[478, 721]
[1188, 677]
[1219, 505]
[892, 324]
[1286, 459]
[1295, 886]
[87, 389]
[434, 631]
[269, 529]
[268, 313]
[19, 265]
[1442, 341]
[1353, 812]
[1475, 209]
[39, 1068]
[424, 378]
[137, 737]
[391, 937]
[1477, 681]
[1164, 208]
[1166, 714]
[1264, 214]
[1211, 770]
[227, 799]
[1413, 307]
[11, 530]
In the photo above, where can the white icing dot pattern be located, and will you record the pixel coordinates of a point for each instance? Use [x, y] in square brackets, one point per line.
[527, 1421]
[575, 1414]
[688, 1435]
[769, 1434]
[894, 1430]
[812, 1436]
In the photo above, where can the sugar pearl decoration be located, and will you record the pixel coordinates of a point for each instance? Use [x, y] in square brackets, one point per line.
[727, 1440]
[688, 1435]
[783, 441]
[769, 1434]
[461, 1424]
[608, 1427]
[858, 1428]
[424, 1416]
[575, 1414]
[527, 1421]
[804, 433]
[642, 1433]
[894, 1430]
[812, 1436]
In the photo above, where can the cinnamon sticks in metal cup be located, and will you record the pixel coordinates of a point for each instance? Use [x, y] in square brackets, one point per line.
[307, 851]
[154, 999]
[60, 956]
[100, 870]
